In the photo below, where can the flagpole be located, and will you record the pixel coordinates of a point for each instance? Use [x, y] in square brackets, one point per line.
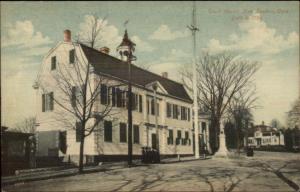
[194, 29]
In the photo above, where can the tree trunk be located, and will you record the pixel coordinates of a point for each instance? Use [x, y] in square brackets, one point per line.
[80, 169]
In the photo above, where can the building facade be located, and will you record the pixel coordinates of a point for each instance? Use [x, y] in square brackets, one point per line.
[109, 139]
[263, 135]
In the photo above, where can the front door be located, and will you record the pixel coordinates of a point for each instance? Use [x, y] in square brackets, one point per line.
[258, 142]
[153, 140]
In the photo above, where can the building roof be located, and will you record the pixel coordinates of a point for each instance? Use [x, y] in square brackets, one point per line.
[106, 64]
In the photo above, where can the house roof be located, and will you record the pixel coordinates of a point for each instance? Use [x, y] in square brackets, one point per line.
[112, 66]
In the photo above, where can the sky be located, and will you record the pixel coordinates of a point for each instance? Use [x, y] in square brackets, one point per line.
[267, 32]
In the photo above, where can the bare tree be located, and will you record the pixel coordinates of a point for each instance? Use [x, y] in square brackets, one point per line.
[220, 78]
[239, 110]
[28, 125]
[91, 36]
[293, 116]
[77, 95]
[78, 91]
[275, 123]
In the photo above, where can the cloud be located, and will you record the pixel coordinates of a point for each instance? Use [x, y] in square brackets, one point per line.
[176, 55]
[255, 36]
[22, 34]
[142, 45]
[109, 35]
[164, 33]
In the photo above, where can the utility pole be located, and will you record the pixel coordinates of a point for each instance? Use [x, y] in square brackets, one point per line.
[156, 119]
[194, 29]
[129, 107]
[126, 49]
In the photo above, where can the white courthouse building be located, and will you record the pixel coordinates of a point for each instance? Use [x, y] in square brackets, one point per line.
[263, 135]
[109, 140]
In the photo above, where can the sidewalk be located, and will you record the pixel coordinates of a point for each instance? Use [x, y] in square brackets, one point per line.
[41, 174]
[54, 172]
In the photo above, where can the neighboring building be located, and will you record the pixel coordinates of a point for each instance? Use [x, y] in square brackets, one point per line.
[263, 135]
[109, 140]
[15, 151]
[204, 126]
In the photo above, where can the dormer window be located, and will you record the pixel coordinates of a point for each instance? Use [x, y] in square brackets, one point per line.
[72, 56]
[53, 63]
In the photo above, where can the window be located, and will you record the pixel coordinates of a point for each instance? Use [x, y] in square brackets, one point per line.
[203, 125]
[78, 131]
[119, 97]
[175, 112]
[148, 107]
[140, 103]
[123, 134]
[107, 131]
[136, 134]
[186, 139]
[134, 101]
[47, 102]
[113, 96]
[152, 106]
[72, 56]
[178, 139]
[169, 110]
[53, 63]
[170, 138]
[76, 95]
[123, 100]
[104, 94]
[183, 113]
[189, 114]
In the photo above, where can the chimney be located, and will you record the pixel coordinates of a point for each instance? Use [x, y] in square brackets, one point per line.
[67, 35]
[104, 50]
[164, 74]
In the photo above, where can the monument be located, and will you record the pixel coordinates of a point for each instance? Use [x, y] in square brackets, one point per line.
[222, 151]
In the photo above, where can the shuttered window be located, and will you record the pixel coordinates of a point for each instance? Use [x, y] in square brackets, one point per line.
[169, 110]
[108, 131]
[183, 113]
[140, 103]
[72, 56]
[113, 97]
[175, 112]
[123, 134]
[170, 138]
[119, 97]
[48, 102]
[136, 134]
[104, 94]
[43, 103]
[152, 107]
[53, 63]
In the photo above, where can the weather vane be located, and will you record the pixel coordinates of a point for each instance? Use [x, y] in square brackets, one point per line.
[125, 23]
